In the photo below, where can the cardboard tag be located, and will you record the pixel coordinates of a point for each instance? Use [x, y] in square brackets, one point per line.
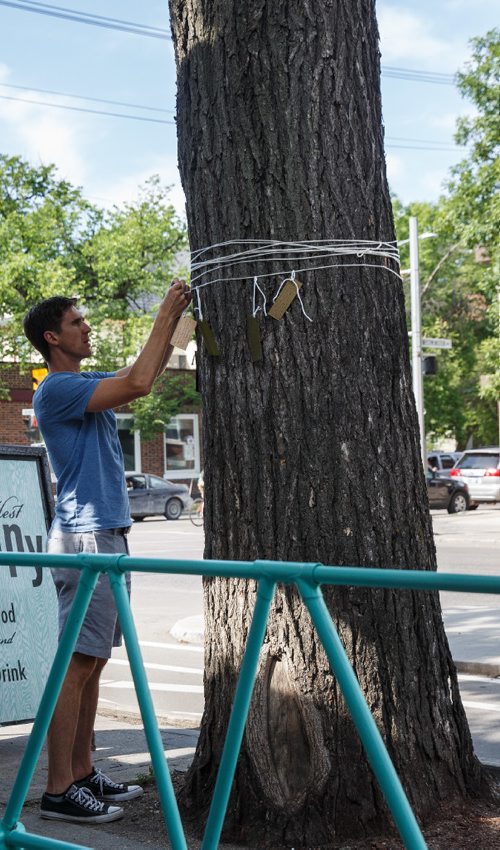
[253, 336]
[208, 336]
[288, 293]
[183, 333]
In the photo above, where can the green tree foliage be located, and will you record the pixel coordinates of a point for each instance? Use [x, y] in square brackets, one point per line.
[43, 223]
[117, 263]
[456, 304]
[130, 261]
[172, 394]
[459, 268]
[473, 207]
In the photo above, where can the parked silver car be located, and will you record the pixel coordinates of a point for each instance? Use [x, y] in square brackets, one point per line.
[150, 495]
[480, 470]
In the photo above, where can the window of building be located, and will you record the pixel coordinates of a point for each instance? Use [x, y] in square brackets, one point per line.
[130, 441]
[182, 446]
[31, 426]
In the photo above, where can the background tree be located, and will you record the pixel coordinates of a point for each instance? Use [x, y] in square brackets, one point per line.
[460, 269]
[472, 208]
[43, 223]
[117, 263]
[127, 266]
[456, 303]
[172, 394]
[312, 453]
[474, 205]
[129, 262]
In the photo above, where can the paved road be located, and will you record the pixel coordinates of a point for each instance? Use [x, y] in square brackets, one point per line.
[464, 543]
[175, 671]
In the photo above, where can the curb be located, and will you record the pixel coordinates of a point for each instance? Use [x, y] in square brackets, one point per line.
[478, 668]
[189, 630]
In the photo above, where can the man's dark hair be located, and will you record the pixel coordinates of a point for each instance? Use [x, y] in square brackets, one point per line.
[46, 316]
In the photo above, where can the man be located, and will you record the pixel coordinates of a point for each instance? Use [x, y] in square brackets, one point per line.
[74, 410]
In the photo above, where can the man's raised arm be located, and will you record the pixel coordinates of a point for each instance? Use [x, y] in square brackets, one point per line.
[137, 380]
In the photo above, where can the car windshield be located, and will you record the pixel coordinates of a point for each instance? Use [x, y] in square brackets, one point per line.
[479, 461]
[157, 483]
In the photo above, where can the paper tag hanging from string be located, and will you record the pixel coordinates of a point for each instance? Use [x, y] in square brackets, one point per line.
[183, 333]
[253, 327]
[288, 290]
[253, 336]
[204, 327]
[209, 338]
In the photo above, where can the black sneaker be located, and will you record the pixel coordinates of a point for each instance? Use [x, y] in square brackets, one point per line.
[103, 788]
[78, 804]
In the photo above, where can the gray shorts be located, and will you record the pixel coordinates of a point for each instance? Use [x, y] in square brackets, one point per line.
[100, 629]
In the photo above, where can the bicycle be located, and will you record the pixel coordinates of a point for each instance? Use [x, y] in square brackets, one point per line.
[196, 512]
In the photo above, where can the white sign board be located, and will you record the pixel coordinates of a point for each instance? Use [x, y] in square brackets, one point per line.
[28, 603]
[429, 342]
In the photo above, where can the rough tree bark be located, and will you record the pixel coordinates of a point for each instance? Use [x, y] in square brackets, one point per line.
[311, 454]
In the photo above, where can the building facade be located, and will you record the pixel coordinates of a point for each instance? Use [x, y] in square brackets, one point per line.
[175, 454]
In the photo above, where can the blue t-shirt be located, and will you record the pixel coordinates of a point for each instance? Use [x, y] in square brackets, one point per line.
[85, 453]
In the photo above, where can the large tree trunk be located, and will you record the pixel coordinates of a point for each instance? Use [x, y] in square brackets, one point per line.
[311, 454]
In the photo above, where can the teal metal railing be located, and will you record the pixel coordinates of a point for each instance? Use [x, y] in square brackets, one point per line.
[307, 578]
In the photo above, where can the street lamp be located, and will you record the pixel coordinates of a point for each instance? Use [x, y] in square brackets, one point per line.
[416, 328]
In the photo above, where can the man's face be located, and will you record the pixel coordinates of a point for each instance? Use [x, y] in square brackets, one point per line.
[73, 338]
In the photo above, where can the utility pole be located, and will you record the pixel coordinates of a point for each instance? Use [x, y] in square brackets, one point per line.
[416, 335]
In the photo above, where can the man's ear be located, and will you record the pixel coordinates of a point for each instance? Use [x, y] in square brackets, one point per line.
[51, 337]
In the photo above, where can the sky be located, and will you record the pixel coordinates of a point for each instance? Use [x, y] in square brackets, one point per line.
[110, 157]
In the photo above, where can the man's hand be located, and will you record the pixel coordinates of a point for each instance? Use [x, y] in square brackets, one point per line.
[177, 298]
[135, 381]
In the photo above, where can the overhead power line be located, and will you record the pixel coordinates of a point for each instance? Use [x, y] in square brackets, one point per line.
[418, 76]
[77, 16]
[82, 109]
[84, 97]
[391, 142]
[86, 18]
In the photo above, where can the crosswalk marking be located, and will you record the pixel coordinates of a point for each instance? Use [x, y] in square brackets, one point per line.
[470, 677]
[197, 714]
[182, 647]
[157, 686]
[192, 671]
[484, 706]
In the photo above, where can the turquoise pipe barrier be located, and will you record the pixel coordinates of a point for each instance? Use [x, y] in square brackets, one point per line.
[371, 738]
[86, 585]
[25, 840]
[239, 714]
[307, 578]
[162, 775]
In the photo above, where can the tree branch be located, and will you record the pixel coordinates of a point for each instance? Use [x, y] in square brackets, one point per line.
[441, 263]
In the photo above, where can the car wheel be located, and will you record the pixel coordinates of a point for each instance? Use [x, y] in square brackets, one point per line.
[458, 503]
[173, 509]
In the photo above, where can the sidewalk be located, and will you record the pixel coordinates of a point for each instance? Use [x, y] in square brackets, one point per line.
[123, 754]
[474, 637]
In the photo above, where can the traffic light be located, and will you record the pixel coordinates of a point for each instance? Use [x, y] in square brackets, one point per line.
[37, 376]
[429, 364]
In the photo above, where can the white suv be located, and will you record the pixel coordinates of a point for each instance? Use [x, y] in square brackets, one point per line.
[480, 470]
